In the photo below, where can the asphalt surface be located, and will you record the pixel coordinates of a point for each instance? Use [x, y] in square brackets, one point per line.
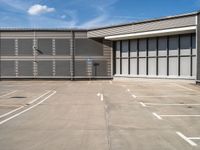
[135, 114]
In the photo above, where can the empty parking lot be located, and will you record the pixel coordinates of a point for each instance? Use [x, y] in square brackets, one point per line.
[131, 114]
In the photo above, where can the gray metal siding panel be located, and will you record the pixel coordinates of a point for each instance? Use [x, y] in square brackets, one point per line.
[62, 68]
[101, 70]
[81, 68]
[142, 27]
[25, 68]
[45, 68]
[62, 46]
[7, 47]
[8, 68]
[88, 47]
[45, 46]
[25, 47]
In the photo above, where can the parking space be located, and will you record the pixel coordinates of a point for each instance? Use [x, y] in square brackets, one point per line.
[105, 115]
[175, 103]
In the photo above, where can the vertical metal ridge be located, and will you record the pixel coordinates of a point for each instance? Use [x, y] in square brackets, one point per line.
[157, 62]
[179, 55]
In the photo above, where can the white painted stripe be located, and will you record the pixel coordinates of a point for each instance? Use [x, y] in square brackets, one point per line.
[160, 96]
[180, 115]
[10, 106]
[102, 97]
[134, 96]
[157, 116]
[10, 112]
[16, 115]
[194, 138]
[39, 97]
[8, 93]
[160, 104]
[186, 139]
[98, 94]
[143, 104]
[128, 90]
[151, 33]
[183, 87]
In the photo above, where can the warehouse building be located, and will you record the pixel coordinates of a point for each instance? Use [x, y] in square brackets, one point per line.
[157, 48]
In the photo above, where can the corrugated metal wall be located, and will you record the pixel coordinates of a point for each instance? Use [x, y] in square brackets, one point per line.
[142, 27]
[170, 56]
[42, 54]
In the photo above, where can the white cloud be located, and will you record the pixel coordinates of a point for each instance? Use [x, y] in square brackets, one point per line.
[38, 9]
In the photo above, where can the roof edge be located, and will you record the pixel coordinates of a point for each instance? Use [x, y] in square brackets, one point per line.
[149, 20]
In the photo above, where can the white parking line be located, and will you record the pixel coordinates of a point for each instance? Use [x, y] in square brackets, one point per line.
[143, 104]
[183, 87]
[38, 97]
[161, 104]
[165, 96]
[194, 138]
[179, 115]
[186, 139]
[8, 93]
[16, 115]
[134, 96]
[10, 112]
[102, 97]
[157, 116]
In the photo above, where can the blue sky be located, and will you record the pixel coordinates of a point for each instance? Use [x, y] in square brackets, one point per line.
[87, 13]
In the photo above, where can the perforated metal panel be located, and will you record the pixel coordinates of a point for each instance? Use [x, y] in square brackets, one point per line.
[185, 66]
[8, 68]
[88, 47]
[152, 66]
[81, 68]
[133, 66]
[142, 47]
[173, 66]
[185, 45]
[101, 69]
[162, 46]
[125, 66]
[142, 66]
[124, 48]
[62, 46]
[45, 68]
[45, 46]
[25, 47]
[25, 68]
[162, 66]
[62, 68]
[117, 66]
[117, 49]
[133, 48]
[173, 45]
[7, 47]
[152, 47]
